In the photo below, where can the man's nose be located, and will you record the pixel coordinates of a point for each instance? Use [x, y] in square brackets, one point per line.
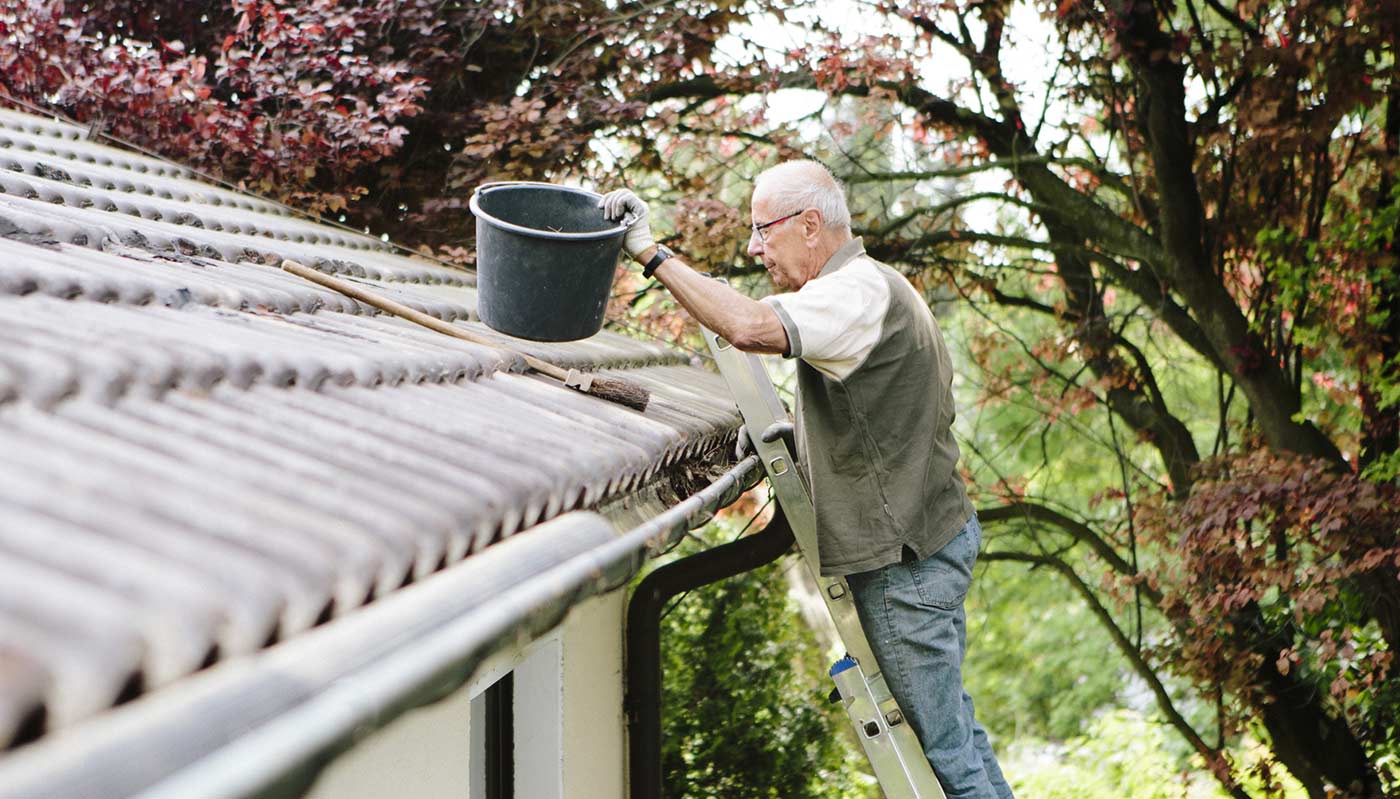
[755, 245]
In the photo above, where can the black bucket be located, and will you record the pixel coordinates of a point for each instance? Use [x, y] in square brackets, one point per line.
[545, 258]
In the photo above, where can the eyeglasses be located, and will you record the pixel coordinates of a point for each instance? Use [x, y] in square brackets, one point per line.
[761, 230]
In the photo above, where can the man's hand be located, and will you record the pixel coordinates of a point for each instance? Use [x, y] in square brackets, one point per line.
[784, 431]
[624, 204]
[781, 430]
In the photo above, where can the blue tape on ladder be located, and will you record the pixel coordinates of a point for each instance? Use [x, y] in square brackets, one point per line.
[841, 665]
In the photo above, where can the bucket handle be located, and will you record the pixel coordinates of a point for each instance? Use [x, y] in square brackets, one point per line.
[621, 225]
[495, 184]
[625, 221]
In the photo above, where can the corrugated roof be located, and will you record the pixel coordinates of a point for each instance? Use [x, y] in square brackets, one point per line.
[201, 454]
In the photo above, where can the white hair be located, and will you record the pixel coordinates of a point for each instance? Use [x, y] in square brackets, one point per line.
[794, 186]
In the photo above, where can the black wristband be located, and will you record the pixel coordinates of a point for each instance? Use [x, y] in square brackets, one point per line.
[657, 260]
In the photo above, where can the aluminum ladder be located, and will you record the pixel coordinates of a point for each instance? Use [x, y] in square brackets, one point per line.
[890, 743]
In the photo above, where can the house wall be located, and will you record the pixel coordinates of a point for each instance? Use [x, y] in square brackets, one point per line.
[594, 728]
[570, 738]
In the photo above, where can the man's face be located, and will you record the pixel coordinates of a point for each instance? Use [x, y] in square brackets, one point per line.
[782, 247]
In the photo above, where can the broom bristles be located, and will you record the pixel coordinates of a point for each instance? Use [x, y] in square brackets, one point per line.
[623, 392]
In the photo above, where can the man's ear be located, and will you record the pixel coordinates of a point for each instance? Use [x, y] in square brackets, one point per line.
[811, 223]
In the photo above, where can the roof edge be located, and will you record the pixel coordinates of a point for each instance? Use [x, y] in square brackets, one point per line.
[267, 726]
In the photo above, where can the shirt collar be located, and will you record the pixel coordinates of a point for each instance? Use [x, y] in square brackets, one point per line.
[847, 253]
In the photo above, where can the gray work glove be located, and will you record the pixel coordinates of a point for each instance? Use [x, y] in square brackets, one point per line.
[775, 431]
[781, 430]
[744, 445]
[624, 205]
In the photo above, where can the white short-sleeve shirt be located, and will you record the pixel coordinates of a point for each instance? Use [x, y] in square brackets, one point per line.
[833, 322]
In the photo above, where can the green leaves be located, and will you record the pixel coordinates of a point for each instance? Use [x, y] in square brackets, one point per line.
[745, 712]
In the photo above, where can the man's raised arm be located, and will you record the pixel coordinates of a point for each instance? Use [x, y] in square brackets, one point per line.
[747, 324]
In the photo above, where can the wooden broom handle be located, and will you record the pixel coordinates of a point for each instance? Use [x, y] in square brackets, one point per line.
[399, 309]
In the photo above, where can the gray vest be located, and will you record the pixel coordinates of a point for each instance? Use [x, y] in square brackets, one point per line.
[878, 446]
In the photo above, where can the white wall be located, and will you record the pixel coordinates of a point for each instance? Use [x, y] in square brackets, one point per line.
[595, 733]
[421, 754]
[570, 739]
[539, 721]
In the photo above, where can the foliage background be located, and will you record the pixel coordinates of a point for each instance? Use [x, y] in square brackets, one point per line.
[1159, 233]
[744, 708]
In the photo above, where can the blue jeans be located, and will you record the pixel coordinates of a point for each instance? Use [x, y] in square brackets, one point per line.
[912, 613]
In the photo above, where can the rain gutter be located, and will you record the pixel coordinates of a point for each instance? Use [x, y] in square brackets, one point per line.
[266, 725]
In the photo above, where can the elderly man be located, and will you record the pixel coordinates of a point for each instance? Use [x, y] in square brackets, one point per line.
[874, 412]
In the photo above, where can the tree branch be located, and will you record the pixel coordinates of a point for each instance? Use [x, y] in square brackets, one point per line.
[961, 171]
[1179, 257]
[1143, 284]
[1273, 400]
[935, 210]
[1032, 513]
[1008, 143]
[1236, 20]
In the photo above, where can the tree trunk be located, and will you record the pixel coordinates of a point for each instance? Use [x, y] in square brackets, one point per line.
[1316, 748]
[1274, 400]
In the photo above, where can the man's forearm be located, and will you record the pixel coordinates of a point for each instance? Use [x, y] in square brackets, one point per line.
[747, 324]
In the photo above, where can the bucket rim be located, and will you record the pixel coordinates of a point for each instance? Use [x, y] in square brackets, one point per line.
[594, 235]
